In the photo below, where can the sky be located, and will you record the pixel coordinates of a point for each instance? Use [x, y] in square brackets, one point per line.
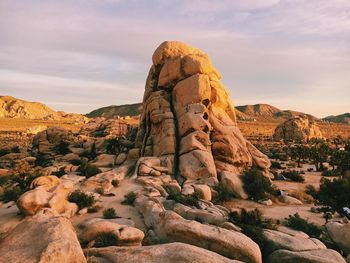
[80, 55]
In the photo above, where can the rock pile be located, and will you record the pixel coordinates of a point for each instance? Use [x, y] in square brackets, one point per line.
[299, 128]
[188, 119]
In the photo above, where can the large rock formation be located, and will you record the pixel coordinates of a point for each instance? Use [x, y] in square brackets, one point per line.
[189, 119]
[42, 238]
[299, 128]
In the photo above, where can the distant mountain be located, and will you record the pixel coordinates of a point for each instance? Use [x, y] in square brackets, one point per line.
[266, 112]
[342, 118]
[117, 110]
[260, 112]
[11, 107]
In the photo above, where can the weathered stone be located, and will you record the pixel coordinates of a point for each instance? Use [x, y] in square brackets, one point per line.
[311, 256]
[340, 234]
[43, 238]
[124, 235]
[165, 253]
[299, 128]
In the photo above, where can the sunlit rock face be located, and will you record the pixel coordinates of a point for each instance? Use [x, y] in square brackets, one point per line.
[299, 128]
[188, 118]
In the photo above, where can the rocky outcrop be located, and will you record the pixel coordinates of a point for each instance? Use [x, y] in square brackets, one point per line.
[165, 253]
[171, 227]
[340, 234]
[48, 192]
[51, 142]
[101, 127]
[299, 128]
[188, 116]
[44, 238]
[121, 235]
[313, 256]
[11, 107]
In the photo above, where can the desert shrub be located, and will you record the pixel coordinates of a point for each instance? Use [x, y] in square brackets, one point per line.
[60, 172]
[224, 193]
[335, 193]
[275, 165]
[298, 223]
[302, 196]
[81, 199]
[4, 152]
[100, 190]
[257, 185]
[88, 170]
[62, 147]
[76, 162]
[311, 190]
[109, 213]
[11, 194]
[252, 225]
[106, 240]
[15, 149]
[293, 175]
[129, 198]
[191, 200]
[330, 173]
[115, 182]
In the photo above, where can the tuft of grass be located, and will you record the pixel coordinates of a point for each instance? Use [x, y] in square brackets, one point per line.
[109, 213]
[81, 199]
[129, 198]
[88, 170]
[293, 175]
[191, 200]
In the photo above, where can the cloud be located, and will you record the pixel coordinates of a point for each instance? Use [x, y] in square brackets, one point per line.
[282, 52]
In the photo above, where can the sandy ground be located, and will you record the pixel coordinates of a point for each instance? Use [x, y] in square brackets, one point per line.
[123, 211]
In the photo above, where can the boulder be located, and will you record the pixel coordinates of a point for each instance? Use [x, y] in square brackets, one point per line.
[44, 238]
[165, 253]
[340, 234]
[290, 241]
[311, 256]
[171, 227]
[299, 128]
[105, 160]
[234, 184]
[45, 182]
[33, 201]
[123, 235]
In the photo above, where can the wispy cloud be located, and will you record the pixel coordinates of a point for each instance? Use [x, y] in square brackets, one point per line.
[98, 52]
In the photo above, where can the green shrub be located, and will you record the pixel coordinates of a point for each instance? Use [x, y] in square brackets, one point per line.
[335, 193]
[298, 223]
[62, 148]
[330, 173]
[15, 149]
[100, 190]
[4, 152]
[106, 240]
[76, 162]
[293, 175]
[87, 170]
[11, 194]
[115, 182]
[257, 185]
[191, 200]
[81, 199]
[129, 198]
[109, 213]
[275, 165]
[252, 225]
[311, 190]
[60, 172]
[224, 193]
